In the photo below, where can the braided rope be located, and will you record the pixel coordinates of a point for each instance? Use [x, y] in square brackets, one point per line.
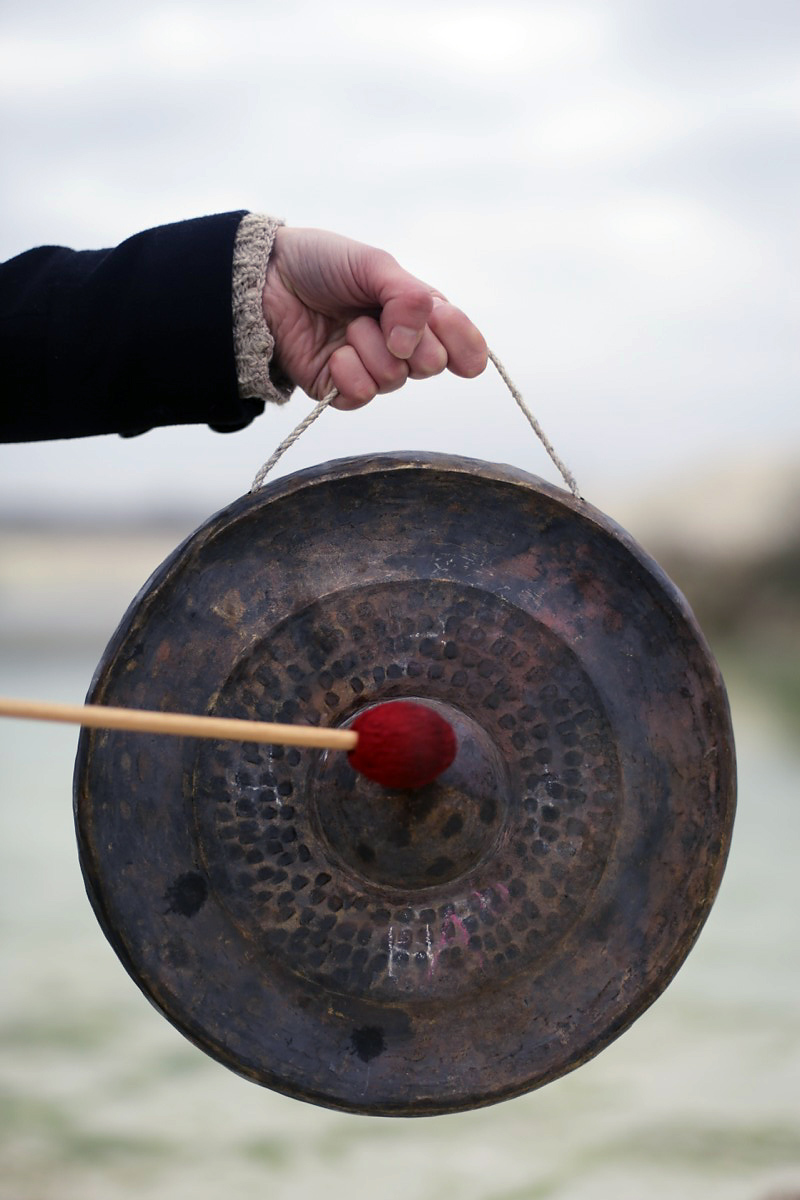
[289, 441]
[564, 471]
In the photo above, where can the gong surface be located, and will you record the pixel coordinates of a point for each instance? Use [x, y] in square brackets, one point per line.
[426, 952]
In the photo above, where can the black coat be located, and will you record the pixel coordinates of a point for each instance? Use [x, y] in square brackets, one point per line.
[119, 341]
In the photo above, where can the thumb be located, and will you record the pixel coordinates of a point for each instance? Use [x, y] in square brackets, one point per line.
[406, 302]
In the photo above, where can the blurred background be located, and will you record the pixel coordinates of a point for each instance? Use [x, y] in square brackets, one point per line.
[610, 190]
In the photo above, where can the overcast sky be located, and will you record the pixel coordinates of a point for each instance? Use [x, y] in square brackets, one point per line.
[610, 190]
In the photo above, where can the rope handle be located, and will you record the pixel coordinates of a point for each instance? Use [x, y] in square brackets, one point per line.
[288, 442]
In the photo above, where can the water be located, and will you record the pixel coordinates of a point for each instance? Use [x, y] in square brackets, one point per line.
[102, 1100]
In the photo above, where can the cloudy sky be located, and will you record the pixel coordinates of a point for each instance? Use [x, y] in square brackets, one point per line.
[609, 188]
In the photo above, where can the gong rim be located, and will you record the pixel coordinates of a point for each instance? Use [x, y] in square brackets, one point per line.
[632, 867]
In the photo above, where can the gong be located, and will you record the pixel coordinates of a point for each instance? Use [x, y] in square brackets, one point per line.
[409, 953]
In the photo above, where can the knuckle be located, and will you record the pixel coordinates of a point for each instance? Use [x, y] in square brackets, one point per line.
[393, 384]
[396, 375]
[362, 391]
[476, 362]
[360, 328]
[433, 361]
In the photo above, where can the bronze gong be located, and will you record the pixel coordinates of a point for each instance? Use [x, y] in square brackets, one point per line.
[424, 952]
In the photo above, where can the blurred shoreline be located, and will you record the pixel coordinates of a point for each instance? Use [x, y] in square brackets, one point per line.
[729, 539]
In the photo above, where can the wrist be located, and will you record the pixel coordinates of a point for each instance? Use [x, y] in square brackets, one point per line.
[254, 344]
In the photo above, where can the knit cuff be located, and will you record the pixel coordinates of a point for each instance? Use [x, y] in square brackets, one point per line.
[252, 341]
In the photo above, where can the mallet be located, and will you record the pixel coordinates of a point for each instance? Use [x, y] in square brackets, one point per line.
[399, 744]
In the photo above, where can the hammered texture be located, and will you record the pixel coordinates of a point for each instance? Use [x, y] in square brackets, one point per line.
[430, 951]
[525, 850]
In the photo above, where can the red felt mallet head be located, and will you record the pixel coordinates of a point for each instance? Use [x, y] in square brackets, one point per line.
[402, 744]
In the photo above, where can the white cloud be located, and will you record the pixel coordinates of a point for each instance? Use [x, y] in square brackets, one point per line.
[497, 39]
[675, 238]
[610, 201]
[602, 128]
[183, 40]
[32, 67]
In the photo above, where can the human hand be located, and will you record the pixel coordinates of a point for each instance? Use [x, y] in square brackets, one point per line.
[348, 316]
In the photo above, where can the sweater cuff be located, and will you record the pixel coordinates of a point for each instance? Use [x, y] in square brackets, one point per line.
[253, 343]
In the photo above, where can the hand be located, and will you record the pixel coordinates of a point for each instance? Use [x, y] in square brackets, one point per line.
[346, 315]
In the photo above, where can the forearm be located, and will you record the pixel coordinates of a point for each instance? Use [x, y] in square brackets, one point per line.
[171, 328]
[119, 341]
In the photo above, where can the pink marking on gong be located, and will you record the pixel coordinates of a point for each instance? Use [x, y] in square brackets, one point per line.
[459, 928]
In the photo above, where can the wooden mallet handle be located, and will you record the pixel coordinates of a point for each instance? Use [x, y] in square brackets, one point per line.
[136, 720]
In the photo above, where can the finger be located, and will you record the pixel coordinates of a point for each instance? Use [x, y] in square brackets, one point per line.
[355, 384]
[405, 302]
[403, 322]
[365, 336]
[467, 354]
[429, 358]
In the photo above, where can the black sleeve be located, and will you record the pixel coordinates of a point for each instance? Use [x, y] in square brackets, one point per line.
[119, 341]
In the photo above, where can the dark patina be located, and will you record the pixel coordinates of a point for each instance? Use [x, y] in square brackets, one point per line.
[409, 953]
